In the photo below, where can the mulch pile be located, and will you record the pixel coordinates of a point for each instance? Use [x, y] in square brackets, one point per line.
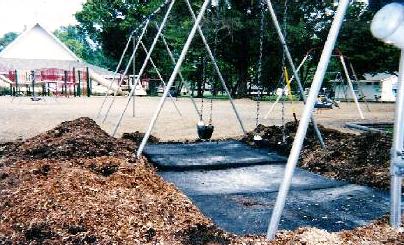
[77, 185]
[360, 159]
[72, 139]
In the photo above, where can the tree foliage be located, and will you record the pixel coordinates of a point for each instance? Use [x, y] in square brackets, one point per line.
[233, 33]
[80, 44]
[7, 39]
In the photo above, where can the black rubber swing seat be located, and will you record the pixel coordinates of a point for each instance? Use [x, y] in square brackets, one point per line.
[205, 131]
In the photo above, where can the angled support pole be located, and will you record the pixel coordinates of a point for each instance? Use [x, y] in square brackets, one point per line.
[291, 80]
[350, 85]
[292, 65]
[357, 81]
[161, 78]
[219, 73]
[305, 119]
[143, 68]
[126, 69]
[113, 78]
[173, 76]
[134, 77]
[170, 54]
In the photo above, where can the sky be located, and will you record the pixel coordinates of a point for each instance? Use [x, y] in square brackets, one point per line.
[16, 14]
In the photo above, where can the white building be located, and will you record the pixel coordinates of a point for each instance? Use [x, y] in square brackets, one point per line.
[37, 49]
[379, 87]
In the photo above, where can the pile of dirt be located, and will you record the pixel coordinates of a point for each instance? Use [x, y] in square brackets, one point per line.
[361, 159]
[72, 139]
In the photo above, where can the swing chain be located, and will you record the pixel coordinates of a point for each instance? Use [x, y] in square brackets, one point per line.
[259, 73]
[284, 77]
[203, 86]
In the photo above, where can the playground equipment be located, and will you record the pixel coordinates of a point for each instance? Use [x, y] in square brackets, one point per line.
[178, 64]
[102, 81]
[257, 137]
[310, 101]
[388, 25]
[55, 82]
[196, 27]
[347, 72]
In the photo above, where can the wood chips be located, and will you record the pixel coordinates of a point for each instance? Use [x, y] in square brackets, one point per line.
[77, 185]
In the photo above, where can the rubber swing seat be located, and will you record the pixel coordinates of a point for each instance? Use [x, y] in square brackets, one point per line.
[205, 131]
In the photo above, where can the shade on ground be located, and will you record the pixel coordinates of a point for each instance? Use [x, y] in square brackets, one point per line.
[241, 199]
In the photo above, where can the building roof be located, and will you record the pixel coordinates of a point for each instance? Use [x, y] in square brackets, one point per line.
[38, 43]
[38, 48]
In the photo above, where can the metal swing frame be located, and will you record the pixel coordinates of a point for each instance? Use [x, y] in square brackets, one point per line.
[305, 118]
[341, 58]
[158, 35]
[196, 28]
[132, 35]
[293, 67]
[139, 43]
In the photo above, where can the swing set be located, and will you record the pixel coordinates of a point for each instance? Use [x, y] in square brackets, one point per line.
[205, 130]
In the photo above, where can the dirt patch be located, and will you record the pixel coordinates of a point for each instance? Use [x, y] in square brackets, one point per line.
[360, 159]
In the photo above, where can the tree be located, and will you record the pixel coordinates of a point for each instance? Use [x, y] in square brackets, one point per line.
[233, 33]
[7, 39]
[81, 45]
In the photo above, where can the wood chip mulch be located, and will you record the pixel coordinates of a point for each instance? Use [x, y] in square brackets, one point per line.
[77, 185]
[361, 159]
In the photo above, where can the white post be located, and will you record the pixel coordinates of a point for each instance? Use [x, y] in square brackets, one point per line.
[219, 73]
[350, 85]
[143, 68]
[292, 65]
[173, 76]
[305, 119]
[397, 152]
[126, 71]
[388, 25]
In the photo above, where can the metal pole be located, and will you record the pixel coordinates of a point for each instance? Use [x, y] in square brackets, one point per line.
[115, 73]
[397, 152]
[74, 82]
[351, 86]
[161, 79]
[79, 84]
[65, 84]
[134, 77]
[89, 87]
[125, 72]
[33, 83]
[142, 69]
[173, 76]
[219, 73]
[280, 96]
[292, 65]
[305, 119]
[179, 73]
[357, 81]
